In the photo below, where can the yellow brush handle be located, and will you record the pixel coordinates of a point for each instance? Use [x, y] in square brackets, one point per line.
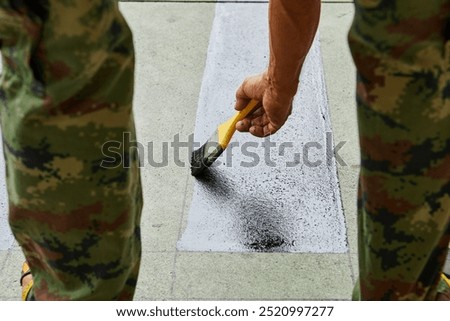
[251, 106]
[446, 280]
[227, 129]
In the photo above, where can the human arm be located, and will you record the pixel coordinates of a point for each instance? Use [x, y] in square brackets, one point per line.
[292, 27]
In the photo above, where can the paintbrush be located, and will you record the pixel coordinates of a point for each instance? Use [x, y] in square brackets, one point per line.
[203, 157]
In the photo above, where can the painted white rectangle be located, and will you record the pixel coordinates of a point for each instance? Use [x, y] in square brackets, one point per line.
[292, 207]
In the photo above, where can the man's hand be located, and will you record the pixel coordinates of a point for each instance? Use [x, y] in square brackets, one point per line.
[292, 26]
[275, 106]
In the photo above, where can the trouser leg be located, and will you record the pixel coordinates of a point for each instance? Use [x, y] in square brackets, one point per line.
[401, 52]
[66, 90]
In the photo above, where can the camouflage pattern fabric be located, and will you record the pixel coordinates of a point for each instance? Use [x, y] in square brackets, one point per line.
[402, 54]
[66, 89]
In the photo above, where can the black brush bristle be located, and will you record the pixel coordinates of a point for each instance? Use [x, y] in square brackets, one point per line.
[203, 158]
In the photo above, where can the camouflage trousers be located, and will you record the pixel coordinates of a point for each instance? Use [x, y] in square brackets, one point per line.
[402, 53]
[66, 89]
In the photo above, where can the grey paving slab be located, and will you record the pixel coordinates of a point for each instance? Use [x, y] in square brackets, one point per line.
[3, 285]
[341, 82]
[10, 275]
[340, 76]
[348, 181]
[171, 44]
[156, 277]
[187, 204]
[354, 266]
[160, 231]
[3, 257]
[277, 200]
[6, 238]
[262, 276]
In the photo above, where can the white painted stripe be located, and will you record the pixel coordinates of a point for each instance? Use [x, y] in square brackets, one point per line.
[296, 209]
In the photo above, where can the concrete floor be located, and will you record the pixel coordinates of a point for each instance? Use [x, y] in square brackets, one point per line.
[171, 43]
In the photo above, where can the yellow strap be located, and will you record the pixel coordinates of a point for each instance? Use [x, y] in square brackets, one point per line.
[25, 267]
[26, 290]
[446, 280]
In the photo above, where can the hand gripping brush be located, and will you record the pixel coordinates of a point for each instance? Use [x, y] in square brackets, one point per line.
[203, 157]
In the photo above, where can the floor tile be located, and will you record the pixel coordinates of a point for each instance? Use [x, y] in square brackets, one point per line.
[156, 276]
[262, 276]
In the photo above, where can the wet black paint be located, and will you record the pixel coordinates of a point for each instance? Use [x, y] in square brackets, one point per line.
[257, 220]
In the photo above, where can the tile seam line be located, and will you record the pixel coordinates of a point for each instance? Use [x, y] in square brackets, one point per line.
[354, 276]
[174, 264]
